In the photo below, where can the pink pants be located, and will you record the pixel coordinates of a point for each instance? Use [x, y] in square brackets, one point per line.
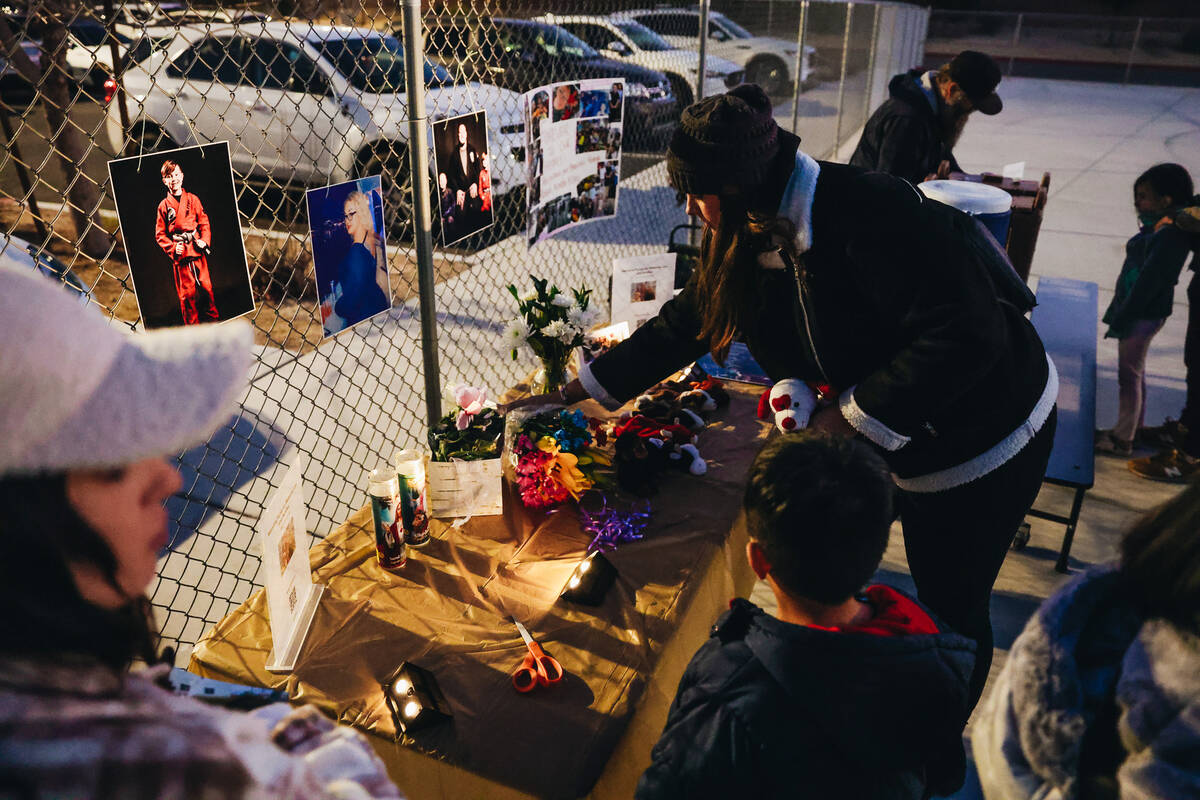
[1131, 377]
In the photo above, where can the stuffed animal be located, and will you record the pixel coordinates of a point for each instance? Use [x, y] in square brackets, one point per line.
[790, 403]
[682, 451]
[705, 395]
[639, 458]
[662, 404]
[644, 447]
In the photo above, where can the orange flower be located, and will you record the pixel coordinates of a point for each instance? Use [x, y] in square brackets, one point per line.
[566, 470]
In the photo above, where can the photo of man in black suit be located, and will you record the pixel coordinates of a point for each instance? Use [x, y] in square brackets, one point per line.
[460, 143]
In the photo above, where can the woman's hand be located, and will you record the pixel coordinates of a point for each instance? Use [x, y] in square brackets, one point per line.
[554, 398]
[570, 394]
[829, 419]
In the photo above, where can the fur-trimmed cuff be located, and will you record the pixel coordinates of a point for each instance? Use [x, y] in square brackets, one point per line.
[596, 390]
[867, 425]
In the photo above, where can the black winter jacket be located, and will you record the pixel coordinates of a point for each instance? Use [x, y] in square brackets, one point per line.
[901, 317]
[904, 136]
[767, 709]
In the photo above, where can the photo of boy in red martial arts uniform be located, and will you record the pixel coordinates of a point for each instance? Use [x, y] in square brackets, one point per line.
[183, 232]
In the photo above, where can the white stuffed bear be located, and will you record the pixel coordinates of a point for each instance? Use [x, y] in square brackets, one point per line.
[793, 402]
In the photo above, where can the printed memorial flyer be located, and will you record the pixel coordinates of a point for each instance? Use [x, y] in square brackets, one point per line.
[573, 137]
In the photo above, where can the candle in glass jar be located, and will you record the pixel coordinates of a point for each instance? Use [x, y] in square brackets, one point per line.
[410, 466]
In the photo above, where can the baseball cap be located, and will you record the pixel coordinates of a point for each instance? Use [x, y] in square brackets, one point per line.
[978, 75]
[78, 392]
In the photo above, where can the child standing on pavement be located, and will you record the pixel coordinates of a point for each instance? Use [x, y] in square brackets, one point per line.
[1179, 457]
[1144, 294]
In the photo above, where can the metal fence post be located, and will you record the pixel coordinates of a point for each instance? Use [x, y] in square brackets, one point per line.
[801, 35]
[871, 65]
[694, 233]
[837, 135]
[1137, 36]
[418, 153]
[1012, 53]
[703, 33]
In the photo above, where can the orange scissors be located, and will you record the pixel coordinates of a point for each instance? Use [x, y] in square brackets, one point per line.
[537, 668]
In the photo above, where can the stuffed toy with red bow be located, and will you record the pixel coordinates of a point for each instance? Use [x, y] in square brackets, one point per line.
[640, 457]
[705, 395]
[644, 447]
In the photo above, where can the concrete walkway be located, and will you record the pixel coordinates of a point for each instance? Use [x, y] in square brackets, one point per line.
[1094, 139]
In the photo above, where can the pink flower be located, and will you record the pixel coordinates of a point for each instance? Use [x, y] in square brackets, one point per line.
[470, 400]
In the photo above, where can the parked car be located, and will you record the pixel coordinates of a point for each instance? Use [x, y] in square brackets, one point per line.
[768, 62]
[88, 56]
[129, 18]
[521, 54]
[619, 37]
[30, 255]
[14, 89]
[304, 104]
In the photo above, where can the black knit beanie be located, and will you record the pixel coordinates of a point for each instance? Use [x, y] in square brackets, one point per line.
[723, 141]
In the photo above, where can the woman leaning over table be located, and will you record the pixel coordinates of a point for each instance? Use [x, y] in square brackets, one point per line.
[88, 416]
[853, 280]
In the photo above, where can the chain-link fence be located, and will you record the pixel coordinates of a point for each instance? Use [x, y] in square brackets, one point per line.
[1145, 50]
[312, 92]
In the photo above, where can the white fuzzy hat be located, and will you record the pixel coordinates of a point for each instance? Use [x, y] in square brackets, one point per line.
[77, 392]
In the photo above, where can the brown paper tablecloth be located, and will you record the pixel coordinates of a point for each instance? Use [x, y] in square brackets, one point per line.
[448, 611]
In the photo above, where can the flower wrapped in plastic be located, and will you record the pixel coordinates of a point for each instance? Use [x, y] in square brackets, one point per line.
[553, 457]
[464, 473]
[472, 431]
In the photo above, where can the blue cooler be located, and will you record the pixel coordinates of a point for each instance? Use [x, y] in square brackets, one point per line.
[989, 204]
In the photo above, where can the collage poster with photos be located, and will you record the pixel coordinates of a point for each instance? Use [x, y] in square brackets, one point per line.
[572, 153]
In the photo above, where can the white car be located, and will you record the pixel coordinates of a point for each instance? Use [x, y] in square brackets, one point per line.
[769, 62]
[305, 105]
[619, 37]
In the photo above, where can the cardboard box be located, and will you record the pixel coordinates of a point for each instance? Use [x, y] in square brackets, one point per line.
[464, 488]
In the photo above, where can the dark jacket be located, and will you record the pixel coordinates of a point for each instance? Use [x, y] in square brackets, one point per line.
[458, 176]
[769, 709]
[1146, 285]
[902, 316]
[904, 136]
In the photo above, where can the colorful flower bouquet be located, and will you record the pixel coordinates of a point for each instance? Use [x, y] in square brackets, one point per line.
[464, 476]
[550, 325]
[554, 458]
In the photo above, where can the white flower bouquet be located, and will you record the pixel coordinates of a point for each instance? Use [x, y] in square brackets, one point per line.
[550, 325]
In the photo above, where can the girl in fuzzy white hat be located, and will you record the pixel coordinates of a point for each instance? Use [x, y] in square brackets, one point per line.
[89, 415]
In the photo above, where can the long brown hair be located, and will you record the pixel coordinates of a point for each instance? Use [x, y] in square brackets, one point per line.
[1160, 559]
[44, 612]
[727, 278]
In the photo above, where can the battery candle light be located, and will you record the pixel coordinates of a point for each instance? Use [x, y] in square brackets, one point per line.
[414, 698]
[590, 580]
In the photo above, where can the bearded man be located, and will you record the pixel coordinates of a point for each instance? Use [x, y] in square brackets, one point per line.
[916, 128]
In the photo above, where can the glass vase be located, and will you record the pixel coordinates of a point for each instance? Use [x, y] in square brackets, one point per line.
[552, 376]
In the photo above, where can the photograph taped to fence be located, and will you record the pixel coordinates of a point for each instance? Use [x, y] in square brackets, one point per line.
[183, 240]
[464, 175]
[573, 138]
[349, 253]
